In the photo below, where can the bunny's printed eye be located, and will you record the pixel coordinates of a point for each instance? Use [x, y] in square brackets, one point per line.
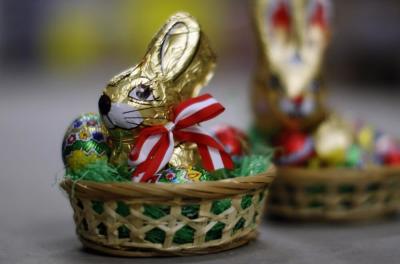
[142, 92]
[274, 82]
[314, 85]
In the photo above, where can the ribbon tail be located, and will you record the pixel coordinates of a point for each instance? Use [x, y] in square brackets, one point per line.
[214, 159]
[159, 156]
[226, 159]
[142, 150]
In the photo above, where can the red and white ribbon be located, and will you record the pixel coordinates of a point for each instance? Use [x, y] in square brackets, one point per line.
[155, 145]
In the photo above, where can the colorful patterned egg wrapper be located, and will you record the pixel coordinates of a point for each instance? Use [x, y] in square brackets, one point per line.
[85, 142]
[179, 175]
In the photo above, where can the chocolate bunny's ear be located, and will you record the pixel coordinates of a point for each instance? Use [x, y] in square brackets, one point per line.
[272, 19]
[319, 13]
[287, 25]
[174, 46]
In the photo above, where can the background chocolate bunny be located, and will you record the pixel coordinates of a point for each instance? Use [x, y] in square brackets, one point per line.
[288, 90]
[179, 61]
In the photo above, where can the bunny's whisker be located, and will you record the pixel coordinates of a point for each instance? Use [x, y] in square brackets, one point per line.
[136, 110]
[144, 117]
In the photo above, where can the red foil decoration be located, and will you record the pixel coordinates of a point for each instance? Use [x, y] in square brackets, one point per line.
[232, 138]
[392, 158]
[296, 148]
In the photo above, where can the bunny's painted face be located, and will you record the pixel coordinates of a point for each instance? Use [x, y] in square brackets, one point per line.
[144, 95]
[132, 99]
[300, 104]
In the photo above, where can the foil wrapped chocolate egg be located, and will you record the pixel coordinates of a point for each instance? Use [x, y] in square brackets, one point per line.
[85, 142]
[365, 137]
[354, 156]
[387, 150]
[384, 144]
[179, 175]
[392, 158]
[232, 139]
[333, 140]
[294, 148]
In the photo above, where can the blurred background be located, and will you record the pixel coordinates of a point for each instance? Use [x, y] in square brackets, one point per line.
[79, 36]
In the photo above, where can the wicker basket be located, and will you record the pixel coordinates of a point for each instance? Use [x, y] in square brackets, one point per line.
[114, 218]
[334, 194]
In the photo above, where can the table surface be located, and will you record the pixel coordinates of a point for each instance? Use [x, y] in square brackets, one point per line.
[36, 219]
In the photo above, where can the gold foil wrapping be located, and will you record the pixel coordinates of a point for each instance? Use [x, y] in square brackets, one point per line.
[288, 89]
[178, 62]
[333, 139]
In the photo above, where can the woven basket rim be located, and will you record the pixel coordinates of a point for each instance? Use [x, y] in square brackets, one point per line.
[197, 190]
[337, 174]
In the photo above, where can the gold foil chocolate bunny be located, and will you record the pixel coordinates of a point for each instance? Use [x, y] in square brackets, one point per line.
[178, 62]
[288, 89]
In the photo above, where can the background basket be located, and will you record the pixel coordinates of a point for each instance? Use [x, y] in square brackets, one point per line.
[334, 194]
[139, 219]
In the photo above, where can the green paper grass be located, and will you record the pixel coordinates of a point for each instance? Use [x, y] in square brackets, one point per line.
[99, 171]
[102, 171]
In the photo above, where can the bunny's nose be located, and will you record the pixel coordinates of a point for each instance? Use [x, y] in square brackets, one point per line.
[104, 104]
[298, 100]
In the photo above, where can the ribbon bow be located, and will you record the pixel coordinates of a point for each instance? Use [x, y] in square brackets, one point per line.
[155, 145]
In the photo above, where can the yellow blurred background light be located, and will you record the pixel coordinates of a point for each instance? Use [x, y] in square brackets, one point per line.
[119, 30]
[72, 40]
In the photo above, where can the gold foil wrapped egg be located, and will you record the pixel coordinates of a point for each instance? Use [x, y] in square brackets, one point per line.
[333, 138]
[366, 137]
